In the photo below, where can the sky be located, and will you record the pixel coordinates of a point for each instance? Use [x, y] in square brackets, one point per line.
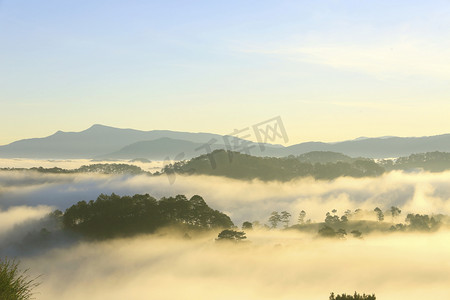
[332, 70]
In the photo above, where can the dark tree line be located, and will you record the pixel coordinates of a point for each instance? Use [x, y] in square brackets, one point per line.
[354, 223]
[117, 169]
[243, 166]
[421, 222]
[112, 215]
[355, 296]
[429, 161]
[231, 235]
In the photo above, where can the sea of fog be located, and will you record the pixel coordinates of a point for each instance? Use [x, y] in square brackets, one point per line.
[271, 265]
[151, 166]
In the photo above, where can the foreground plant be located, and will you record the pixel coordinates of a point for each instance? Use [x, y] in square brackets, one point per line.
[15, 284]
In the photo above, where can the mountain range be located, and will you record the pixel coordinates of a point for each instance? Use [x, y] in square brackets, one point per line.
[104, 142]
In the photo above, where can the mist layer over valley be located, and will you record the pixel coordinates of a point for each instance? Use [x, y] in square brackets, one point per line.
[269, 264]
[242, 200]
[274, 265]
[212, 150]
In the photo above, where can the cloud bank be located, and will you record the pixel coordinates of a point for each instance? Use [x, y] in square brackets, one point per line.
[19, 214]
[242, 200]
[275, 265]
[272, 265]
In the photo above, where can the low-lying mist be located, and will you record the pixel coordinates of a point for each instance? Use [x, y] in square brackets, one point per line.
[242, 200]
[272, 265]
[74, 163]
[16, 215]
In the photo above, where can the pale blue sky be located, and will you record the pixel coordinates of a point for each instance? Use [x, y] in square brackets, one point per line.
[333, 70]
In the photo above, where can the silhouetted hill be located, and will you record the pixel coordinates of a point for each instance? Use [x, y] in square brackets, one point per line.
[113, 216]
[430, 161]
[116, 169]
[107, 142]
[324, 157]
[96, 140]
[242, 166]
[385, 147]
[320, 165]
[160, 149]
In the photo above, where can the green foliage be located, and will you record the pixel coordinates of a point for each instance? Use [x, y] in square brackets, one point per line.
[417, 222]
[344, 219]
[421, 222]
[355, 296]
[398, 227]
[113, 215]
[318, 164]
[341, 233]
[324, 157]
[395, 212]
[301, 217]
[118, 169]
[380, 215]
[429, 161]
[242, 166]
[110, 169]
[141, 160]
[231, 235]
[274, 219]
[15, 284]
[247, 225]
[54, 170]
[332, 219]
[285, 218]
[356, 234]
[327, 231]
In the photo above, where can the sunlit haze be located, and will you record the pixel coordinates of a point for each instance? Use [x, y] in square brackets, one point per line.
[333, 70]
[212, 150]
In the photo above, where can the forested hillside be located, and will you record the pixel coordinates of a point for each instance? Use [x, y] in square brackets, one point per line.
[242, 166]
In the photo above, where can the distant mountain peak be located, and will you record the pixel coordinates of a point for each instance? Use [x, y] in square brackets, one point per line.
[100, 128]
[101, 140]
[97, 126]
[361, 138]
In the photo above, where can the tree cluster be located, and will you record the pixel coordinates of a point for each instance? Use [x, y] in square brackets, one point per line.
[243, 166]
[117, 169]
[112, 215]
[231, 235]
[429, 161]
[355, 296]
[276, 218]
[329, 232]
[421, 222]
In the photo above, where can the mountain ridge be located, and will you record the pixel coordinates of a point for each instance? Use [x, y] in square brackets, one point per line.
[101, 141]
